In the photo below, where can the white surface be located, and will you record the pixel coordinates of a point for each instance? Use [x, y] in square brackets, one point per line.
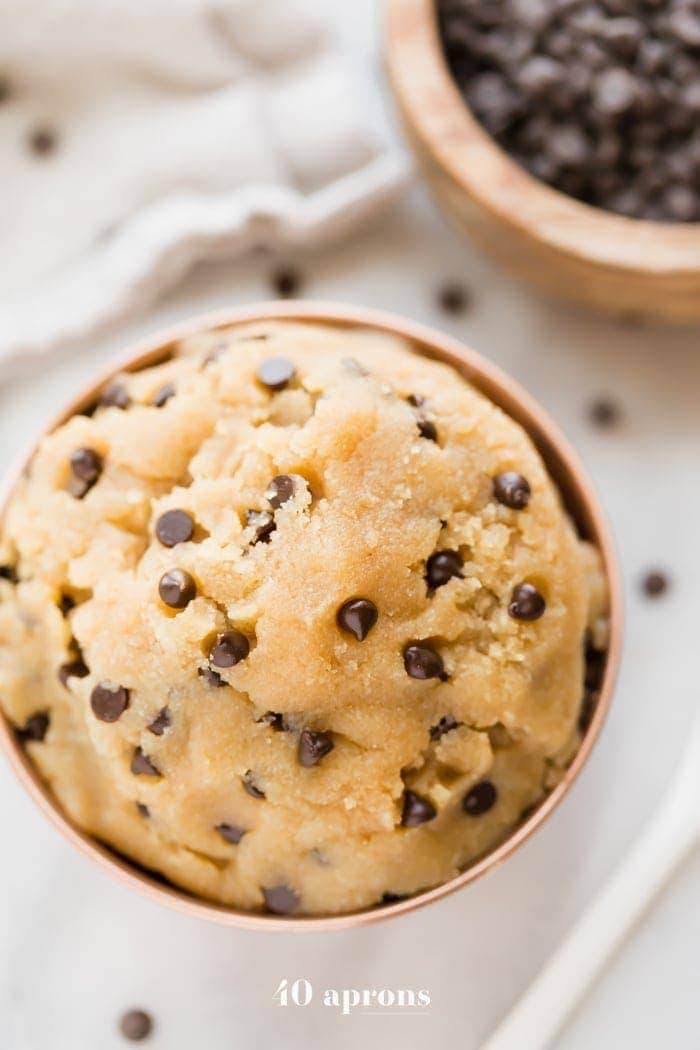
[76, 949]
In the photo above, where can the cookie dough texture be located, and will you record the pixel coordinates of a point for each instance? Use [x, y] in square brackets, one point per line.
[373, 499]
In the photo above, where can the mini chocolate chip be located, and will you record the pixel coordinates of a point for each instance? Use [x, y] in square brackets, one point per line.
[177, 588]
[604, 413]
[109, 702]
[453, 298]
[416, 810]
[161, 722]
[9, 573]
[416, 400]
[286, 282]
[231, 833]
[136, 1025]
[249, 783]
[66, 604]
[276, 372]
[72, 669]
[174, 526]
[280, 490]
[479, 799]
[655, 584]
[86, 465]
[42, 141]
[421, 661]
[426, 428]
[526, 603]
[280, 899]
[357, 616]
[446, 724]
[115, 395]
[512, 490]
[164, 394]
[262, 524]
[229, 648]
[313, 746]
[142, 765]
[274, 720]
[143, 810]
[441, 567]
[35, 728]
[212, 678]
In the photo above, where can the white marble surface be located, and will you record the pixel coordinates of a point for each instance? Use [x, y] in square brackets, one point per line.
[76, 948]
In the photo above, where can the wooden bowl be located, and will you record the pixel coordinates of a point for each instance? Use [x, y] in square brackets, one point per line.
[578, 494]
[570, 249]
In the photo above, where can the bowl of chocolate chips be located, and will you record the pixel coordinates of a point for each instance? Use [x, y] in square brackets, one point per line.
[308, 617]
[565, 136]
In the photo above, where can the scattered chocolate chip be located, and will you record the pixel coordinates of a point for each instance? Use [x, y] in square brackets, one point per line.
[416, 810]
[42, 141]
[109, 702]
[212, 678]
[231, 833]
[286, 282]
[453, 298]
[604, 413]
[280, 490]
[416, 400]
[441, 567]
[142, 765]
[229, 648]
[66, 604]
[35, 728]
[115, 395]
[249, 783]
[274, 720]
[276, 372]
[143, 810]
[446, 724]
[512, 490]
[313, 746]
[86, 466]
[163, 395]
[177, 588]
[72, 669]
[161, 722]
[262, 523]
[357, 616]
[9, 573]
[136, 1025]
[426, 428]
[526, 603]
[655, 584]
[174, 526]
[479, 799]
[421, 661]
[280, 899]
[393, 898]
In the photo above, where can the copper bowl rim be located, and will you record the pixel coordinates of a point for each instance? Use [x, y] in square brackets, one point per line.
[563, 464]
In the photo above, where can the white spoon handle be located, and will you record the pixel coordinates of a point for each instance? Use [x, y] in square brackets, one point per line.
[560, 986]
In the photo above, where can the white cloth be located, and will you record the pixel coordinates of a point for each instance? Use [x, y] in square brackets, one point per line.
[185, 129]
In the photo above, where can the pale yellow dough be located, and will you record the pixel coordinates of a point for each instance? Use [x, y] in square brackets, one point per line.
[377, 500]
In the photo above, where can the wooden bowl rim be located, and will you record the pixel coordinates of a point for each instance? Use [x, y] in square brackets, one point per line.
[561, 460]
[446, 128]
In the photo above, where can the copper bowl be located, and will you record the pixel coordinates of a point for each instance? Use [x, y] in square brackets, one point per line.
[580, 499]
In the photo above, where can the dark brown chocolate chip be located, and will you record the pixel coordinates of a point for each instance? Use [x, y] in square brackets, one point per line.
[136, 1025]
[72, 669]
[446, 724]
[441, 567]
[212, 678]
[393, 898]
[163, 395]
[250, 784]
[115, 395]
[109, 702]
[416, 400]
[479, 799]
[35, 728]
[229, 648]
[142, 765]
[161, 722]
[313, 746]
[280, 490]
[512, 490]
[280, 899]
[453, 298]
[416, 810]
[262, 523]
[173, 527]
[9, 573]
[276, 372]
[604, 413]
[655, 584]
[66, 604]
[274, 720]
[177, 588]
[421, 661]
[86, 466]
[286, 282]
[231, 833]
[426, 428]
[526, 603]
[357, 616]
[143, 810]
[42, 141]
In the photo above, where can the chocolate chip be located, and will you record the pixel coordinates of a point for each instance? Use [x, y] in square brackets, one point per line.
[453, 298]
[512, 490]
[115, 395]
[9, 573]
[42, 141]
[280, 490]
[86, 466]
[177, 588]
[276, 372]
[262, 523]
[421, 661]
[605, 413]
[164, 394]
[229, 648]
[655, 584]
[479, 799]
[231, 833]
[441, 567]
[142, 765]
[280, 899]
[35, 728]
[174, 526]
[109, 702]
[66, 604]
[72, 669]
[357, 616]
[446, 724]
[393, 898]
[526, 603]
[136, 1025]
[143, 810]
[416, 810]
[426, 428]
[274, 720]
[212, 678]
[286, 282]
[161, 722]
[313, 746]
[416, 400]
[250, 784]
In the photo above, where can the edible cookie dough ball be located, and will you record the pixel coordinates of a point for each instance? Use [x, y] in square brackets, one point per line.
[295, 618]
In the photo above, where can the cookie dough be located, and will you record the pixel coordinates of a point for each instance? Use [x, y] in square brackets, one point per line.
[295, 618]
